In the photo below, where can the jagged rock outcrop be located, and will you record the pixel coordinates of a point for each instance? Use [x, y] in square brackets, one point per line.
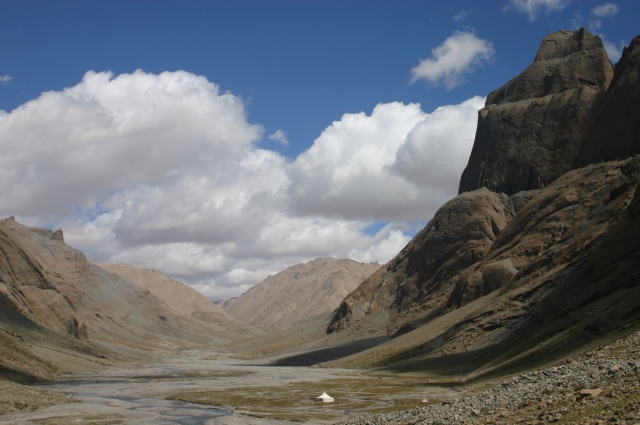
[532, 128]
[299, 293]
[615, 133]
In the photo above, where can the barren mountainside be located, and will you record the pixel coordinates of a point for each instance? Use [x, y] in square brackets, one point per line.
[60, 312]
[515, 271]
[299, 293]
[182, 298]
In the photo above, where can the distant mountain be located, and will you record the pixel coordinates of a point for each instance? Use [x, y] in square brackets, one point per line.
[184, 299]
[61, 312]
[299, 293]
[539, 255]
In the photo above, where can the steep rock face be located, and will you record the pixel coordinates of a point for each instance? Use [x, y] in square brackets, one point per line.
[422, 275]
[562, 274]
[299, 293]
[554, 227]
[615, 134]
[23, 280]
[531, 129]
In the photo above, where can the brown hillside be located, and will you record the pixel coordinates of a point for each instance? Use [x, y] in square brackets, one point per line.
[60, 312]
[299, 293]
[183, 299]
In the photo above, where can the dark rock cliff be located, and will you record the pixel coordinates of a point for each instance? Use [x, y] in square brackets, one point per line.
[459, 235]
[531, 129]
[615, 134]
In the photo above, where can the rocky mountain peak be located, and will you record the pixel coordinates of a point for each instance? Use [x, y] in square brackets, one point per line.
[58, 235]
[562, 44]
[532, 128]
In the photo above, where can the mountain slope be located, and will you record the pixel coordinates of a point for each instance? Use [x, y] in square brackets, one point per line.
[299, 293]
[183, 299]
[60, 312]
[500, 281]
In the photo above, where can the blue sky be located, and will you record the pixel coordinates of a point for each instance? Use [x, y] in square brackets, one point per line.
[221, 141]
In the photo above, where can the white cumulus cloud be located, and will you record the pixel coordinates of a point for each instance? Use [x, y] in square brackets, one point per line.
[164, 172]
[399, 163]
[459, 55]
[279, 136]
[533, 8]
[436, 150]
[604, 10]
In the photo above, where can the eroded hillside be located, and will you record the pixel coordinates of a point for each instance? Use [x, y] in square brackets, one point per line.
[61, 312]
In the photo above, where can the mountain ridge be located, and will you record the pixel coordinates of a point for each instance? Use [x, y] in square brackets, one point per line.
[299, 293]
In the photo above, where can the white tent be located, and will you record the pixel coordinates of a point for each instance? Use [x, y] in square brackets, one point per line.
[325, 398]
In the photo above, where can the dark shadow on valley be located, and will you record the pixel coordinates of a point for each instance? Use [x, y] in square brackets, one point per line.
[330, 353]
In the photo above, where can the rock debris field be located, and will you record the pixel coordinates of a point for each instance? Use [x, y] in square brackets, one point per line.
[601, 387]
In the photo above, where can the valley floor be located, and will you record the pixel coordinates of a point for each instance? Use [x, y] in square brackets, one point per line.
[602, 386]
[152, 394]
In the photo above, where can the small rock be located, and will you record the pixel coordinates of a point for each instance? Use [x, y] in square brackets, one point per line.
[590, 392]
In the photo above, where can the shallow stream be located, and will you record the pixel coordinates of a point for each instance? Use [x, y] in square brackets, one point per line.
[154, 410]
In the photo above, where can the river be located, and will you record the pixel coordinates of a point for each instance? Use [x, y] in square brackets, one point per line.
[137, 395]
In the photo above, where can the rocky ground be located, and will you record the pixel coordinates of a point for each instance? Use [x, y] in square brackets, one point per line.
[601, 387]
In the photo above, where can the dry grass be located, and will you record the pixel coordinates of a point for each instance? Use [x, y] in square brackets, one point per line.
[295, 401]
[15, 397]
